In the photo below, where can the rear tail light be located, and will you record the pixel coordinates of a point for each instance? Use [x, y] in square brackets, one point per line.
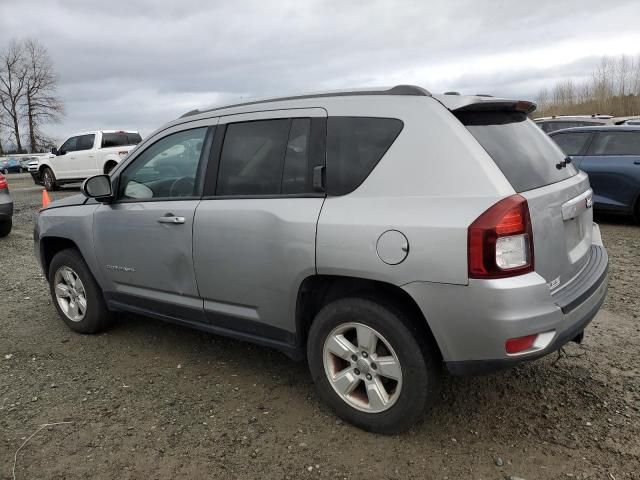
[3, 183]
[500, 241]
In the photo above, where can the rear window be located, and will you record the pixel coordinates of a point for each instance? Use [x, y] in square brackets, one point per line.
[355, 145]
[616, 143]
[552, 126]
[120, 139]
[526, 156]
[572, 143]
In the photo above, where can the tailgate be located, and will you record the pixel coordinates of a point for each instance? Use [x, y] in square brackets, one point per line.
[562, 221]
[559, 197]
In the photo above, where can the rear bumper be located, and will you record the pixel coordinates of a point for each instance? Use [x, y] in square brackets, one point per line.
[472, 323]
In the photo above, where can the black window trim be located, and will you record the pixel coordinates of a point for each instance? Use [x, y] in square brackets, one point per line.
[200, 170]
[318, 129]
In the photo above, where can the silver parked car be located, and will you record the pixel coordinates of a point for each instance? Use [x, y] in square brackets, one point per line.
[384, 234]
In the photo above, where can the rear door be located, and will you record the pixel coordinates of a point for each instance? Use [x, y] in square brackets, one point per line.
[559, 197]
[613, 166]
[255, 230]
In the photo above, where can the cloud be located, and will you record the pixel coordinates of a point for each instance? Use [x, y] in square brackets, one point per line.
[139, 64]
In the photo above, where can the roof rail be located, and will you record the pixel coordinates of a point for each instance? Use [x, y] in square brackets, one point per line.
[411, 90]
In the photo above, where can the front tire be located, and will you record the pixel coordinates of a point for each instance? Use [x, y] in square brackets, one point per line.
[49, 180]
[76, 294]
[5, 228]
[372, 364]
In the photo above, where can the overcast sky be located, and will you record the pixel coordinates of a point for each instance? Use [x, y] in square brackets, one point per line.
[140, 63]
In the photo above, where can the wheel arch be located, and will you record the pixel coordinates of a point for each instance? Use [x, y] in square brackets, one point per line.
[319, 290]
[50, 246]
[109, 159]
[42, 166]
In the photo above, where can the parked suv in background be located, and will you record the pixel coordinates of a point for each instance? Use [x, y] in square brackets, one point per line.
[83, 155]
[559, 122]
[611, 158]
[380, 233]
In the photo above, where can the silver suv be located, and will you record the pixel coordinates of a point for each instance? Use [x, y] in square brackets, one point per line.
[383, 234]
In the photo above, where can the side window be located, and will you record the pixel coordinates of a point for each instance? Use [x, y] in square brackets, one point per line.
[572, 143]
[251, 162]
[616, 143]
[119, 139]
[166, 169]
[295, 177]
[355, 145]
[69, 145]
[85, 142]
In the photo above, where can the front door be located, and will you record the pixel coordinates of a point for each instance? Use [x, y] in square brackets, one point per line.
[64, 162]
[143, 239]
[255, 229]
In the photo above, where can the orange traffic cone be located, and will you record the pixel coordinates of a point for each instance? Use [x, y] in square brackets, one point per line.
[45, 199]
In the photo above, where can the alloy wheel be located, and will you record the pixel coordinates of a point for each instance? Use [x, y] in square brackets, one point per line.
[70, 294]
[362, 367]
[48, 181]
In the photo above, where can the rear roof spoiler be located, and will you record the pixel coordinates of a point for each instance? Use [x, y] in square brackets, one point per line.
[475, 103]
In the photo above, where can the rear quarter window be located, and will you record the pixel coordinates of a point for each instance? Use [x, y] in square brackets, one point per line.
[616, 143]
[120, 139]
[525, 154]
[355, 145]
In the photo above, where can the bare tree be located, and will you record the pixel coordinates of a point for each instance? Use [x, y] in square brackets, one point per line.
[12, 89]
[41, 103]
[613, 88]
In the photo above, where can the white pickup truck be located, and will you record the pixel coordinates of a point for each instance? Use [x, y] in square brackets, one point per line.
[83, 155]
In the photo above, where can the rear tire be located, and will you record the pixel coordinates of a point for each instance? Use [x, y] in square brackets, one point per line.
[388, 388]
[76, 294]
[5, 228]
[49, 180]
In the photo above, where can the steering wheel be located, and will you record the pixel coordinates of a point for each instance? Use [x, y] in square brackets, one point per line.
[182, 187]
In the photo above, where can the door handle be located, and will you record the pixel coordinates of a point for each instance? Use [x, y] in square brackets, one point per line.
[171, 219]
[636, 162]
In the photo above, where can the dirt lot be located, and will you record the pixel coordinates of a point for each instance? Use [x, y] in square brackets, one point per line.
[152, 400]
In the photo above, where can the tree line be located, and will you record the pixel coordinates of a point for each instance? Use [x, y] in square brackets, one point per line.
[613, 88]
[28, 98]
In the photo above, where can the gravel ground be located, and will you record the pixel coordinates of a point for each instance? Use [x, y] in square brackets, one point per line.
[147, 399]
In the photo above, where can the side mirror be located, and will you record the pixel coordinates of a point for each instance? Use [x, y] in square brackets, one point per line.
[98, 187]
[54, 151]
